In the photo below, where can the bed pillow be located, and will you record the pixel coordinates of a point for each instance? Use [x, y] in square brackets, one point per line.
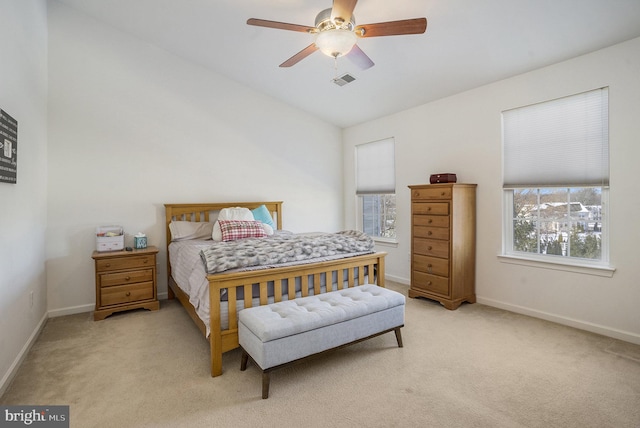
[233, 213]
[262, 214]
[239, 229]
[183, 230]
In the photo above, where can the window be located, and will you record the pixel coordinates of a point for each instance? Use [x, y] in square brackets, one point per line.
[376, 188]
[556, 179]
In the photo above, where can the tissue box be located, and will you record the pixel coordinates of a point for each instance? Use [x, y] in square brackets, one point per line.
[109, 238]
[140, 241]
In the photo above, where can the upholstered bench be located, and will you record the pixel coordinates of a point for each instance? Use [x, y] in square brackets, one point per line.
[281, 333]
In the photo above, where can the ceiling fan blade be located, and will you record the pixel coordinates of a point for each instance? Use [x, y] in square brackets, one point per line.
[300, 55]
[359, 58]
[343, 9]
[393, 28]
[280, 25]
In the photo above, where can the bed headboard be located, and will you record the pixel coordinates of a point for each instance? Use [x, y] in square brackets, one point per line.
[203, 211]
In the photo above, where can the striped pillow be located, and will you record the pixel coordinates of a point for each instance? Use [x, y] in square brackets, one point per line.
[238, 229]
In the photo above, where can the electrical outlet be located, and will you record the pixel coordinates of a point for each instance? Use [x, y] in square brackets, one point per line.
[31, 298]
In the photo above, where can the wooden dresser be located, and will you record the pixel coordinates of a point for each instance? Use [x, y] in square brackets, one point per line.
[443, 243]
[125, 280]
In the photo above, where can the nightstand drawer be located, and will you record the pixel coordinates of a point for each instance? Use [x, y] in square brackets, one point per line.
[126, 293]
[110, 264]
[127, 277]
[433, 208]
[431, 193]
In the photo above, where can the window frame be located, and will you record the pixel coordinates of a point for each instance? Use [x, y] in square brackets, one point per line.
[599, 267]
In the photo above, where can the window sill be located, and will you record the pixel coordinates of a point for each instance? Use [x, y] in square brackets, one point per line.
[576, 267]
[388, 242]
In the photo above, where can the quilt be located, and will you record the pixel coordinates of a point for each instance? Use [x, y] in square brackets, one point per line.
[283, 248]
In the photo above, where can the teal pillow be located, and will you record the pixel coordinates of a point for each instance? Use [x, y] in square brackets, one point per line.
[263, 215]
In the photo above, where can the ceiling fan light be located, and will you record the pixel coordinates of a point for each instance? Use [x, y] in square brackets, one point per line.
[335, 43]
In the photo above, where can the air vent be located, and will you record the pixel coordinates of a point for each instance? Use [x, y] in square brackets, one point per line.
[344, 79]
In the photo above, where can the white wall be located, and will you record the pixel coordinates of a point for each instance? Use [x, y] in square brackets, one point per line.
[132, 127]
[462, 134]
[23, 210]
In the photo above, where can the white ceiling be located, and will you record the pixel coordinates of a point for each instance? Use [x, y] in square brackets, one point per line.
[468, 43]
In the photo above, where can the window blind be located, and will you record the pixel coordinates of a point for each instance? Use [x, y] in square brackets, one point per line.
[563, 142]
[375, 167]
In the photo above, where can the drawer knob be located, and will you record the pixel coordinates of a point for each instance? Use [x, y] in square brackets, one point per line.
[108, 265]
[442, 194]
[127, 278]
[429, 248]
[430, 221]
[429, 233]
[428, 282]
[145, 261]
[128, 293]
[428, 208]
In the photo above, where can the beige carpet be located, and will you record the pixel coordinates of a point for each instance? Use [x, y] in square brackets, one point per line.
[473, 367]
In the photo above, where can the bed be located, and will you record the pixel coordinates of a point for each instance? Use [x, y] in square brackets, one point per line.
[231, 291]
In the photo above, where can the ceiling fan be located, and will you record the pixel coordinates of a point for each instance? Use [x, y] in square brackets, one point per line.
[336, 33]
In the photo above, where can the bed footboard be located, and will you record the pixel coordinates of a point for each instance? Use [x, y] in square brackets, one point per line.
[356, 270]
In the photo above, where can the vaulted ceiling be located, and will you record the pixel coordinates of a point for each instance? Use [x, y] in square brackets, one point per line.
[468, 43]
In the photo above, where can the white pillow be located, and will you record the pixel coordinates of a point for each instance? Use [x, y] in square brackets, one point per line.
[235, 213]
[183, 230]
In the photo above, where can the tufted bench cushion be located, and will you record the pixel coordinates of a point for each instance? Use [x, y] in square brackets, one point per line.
[283, 332]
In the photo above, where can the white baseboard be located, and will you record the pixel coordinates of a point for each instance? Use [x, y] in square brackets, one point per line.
[398, 279]
[582, 325]
[71, 310]
[13, 369]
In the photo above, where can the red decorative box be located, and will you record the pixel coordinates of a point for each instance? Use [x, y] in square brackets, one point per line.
[446, 177]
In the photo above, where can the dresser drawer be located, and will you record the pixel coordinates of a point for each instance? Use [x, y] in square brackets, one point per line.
[433, 208]
[429, 247]
[431, 265]
[127, 277]
[120, 263]
[431, 283]
[126, 293]
[432, 193]
[431, 232]
[431, 220]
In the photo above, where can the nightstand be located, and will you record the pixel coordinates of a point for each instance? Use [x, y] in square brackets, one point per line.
[125, 280]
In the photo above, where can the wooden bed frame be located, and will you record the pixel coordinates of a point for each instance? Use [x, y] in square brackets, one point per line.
[223, 340]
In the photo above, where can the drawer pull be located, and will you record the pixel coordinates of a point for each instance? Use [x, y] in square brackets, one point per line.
[128, 293]
[428, 282]
[429, 233]
[430, 221]
[145, 261]
[108, 265]
[442, 194]
[428, 208]
[429, 248]
[127, 278]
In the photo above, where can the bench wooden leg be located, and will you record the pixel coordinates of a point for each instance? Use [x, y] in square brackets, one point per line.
[265, 385]
[243, 362]
[398, 337]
